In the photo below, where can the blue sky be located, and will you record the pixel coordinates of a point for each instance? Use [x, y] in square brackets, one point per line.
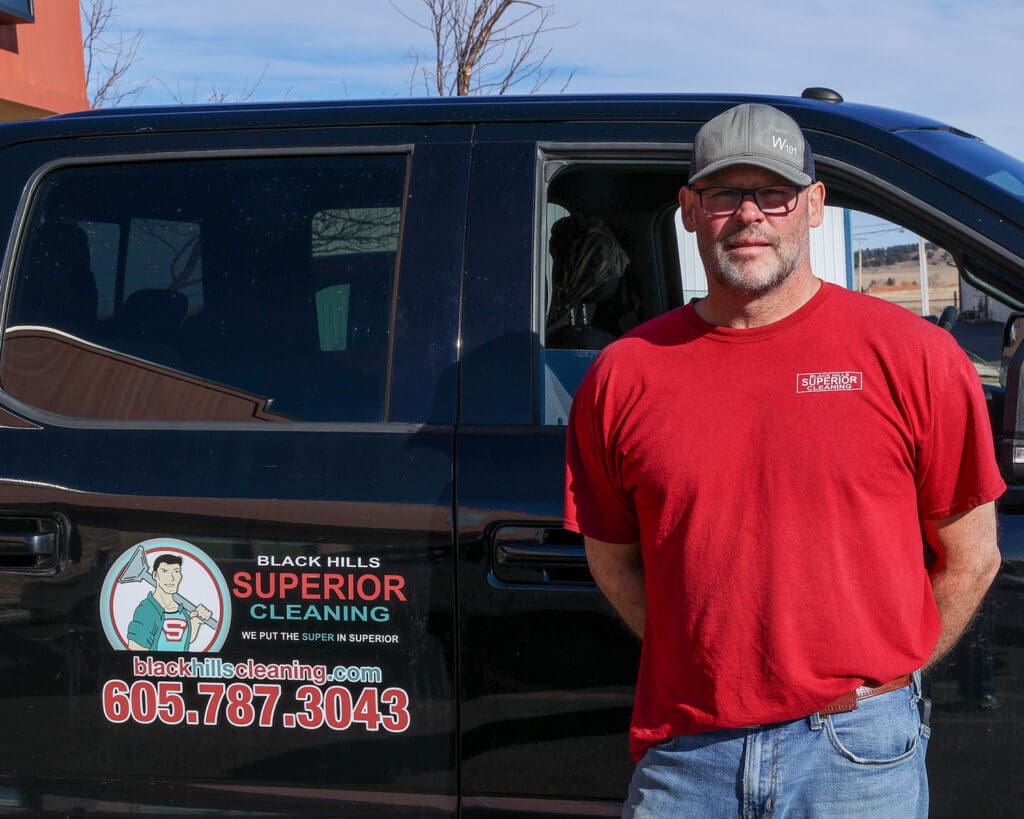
[953, 60]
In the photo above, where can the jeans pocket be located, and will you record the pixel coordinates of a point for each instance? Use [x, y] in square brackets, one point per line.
[882, 730]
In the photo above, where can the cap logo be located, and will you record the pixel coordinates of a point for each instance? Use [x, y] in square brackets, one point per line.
[781, 143]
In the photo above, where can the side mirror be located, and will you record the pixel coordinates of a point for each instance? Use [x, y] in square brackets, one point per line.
[1010, 439]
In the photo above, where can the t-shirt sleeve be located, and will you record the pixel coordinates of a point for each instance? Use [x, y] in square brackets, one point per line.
[957, 468]
[143, 625]
[597, 503]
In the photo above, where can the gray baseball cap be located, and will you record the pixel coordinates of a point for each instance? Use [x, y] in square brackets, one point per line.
[753, 134]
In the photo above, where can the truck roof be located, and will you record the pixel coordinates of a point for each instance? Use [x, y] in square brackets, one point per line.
[812, 113]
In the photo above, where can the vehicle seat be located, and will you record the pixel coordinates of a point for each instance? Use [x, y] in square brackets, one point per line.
[588, 265]
[148, 325]
[56, 287]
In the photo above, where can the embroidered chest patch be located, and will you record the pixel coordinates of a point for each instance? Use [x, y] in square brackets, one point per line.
[829, 382]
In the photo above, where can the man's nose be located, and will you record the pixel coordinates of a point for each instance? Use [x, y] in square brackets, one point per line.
[748, 211]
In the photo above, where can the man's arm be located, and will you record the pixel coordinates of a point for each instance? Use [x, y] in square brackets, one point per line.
[618, 569]
[967, 561]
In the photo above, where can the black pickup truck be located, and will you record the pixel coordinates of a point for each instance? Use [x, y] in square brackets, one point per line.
[282, 403]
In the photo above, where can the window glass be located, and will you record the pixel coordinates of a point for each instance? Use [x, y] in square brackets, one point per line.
[611, 255]
[355, 230]
[977, 158]
[332, 316]
[220, 290]
[164, 254]
[616, 254]
[891, 262]
[104, 241]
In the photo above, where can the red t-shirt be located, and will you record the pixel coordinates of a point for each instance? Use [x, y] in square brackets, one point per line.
[776, 479]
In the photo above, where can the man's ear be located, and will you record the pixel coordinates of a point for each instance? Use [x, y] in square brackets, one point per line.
[816, 204]
[689, 202]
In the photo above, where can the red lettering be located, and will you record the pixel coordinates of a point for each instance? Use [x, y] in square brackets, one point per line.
[316, 586]
[310, 586]
[393, 585]
[334, 586]
[265, 586]
[373, 582]
[242, 587]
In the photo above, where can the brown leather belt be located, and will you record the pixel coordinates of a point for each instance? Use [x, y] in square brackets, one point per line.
[849, 700]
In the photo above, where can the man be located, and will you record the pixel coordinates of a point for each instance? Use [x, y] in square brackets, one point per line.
[752, 474]
[160, 622]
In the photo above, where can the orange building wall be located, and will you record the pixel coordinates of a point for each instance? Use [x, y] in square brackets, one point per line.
[42, 71]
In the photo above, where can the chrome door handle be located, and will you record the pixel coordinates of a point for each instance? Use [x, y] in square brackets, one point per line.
[544, 554]
[32, 545]
[28, 544]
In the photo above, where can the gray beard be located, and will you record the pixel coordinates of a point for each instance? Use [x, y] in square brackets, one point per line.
[730, 276]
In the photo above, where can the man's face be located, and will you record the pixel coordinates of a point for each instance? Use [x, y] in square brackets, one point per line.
[168, 577]
[749, 252]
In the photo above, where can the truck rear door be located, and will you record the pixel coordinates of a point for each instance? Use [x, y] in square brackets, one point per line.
[227, 410]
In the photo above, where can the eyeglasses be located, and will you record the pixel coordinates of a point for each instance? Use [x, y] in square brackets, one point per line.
[771, 200]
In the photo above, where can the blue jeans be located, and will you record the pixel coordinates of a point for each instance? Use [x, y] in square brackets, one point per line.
[863, 763]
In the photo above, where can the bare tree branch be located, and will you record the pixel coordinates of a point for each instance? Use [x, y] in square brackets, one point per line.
[484, 46]
[109, 56]
[218, 94]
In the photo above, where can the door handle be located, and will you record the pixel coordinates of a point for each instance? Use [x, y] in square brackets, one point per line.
[31, 545]
[36, 544]
[543, 554]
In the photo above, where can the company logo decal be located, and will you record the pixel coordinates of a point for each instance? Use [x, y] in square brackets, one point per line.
[165, 595]
[829, 382]
[166, 601]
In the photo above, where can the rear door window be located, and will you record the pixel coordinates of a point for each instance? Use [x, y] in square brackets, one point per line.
[241, 289]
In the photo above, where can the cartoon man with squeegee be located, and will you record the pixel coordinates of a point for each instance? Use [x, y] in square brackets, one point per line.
[164, 620]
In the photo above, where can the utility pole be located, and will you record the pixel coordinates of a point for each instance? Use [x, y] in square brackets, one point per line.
[860, 264]
[922, 268]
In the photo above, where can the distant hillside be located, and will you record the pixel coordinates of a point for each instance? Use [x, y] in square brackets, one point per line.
[894, 254]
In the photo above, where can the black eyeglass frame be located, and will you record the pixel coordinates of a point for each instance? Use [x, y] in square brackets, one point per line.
[752, 192]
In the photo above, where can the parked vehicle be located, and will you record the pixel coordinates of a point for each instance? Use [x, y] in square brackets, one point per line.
[302, 372]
